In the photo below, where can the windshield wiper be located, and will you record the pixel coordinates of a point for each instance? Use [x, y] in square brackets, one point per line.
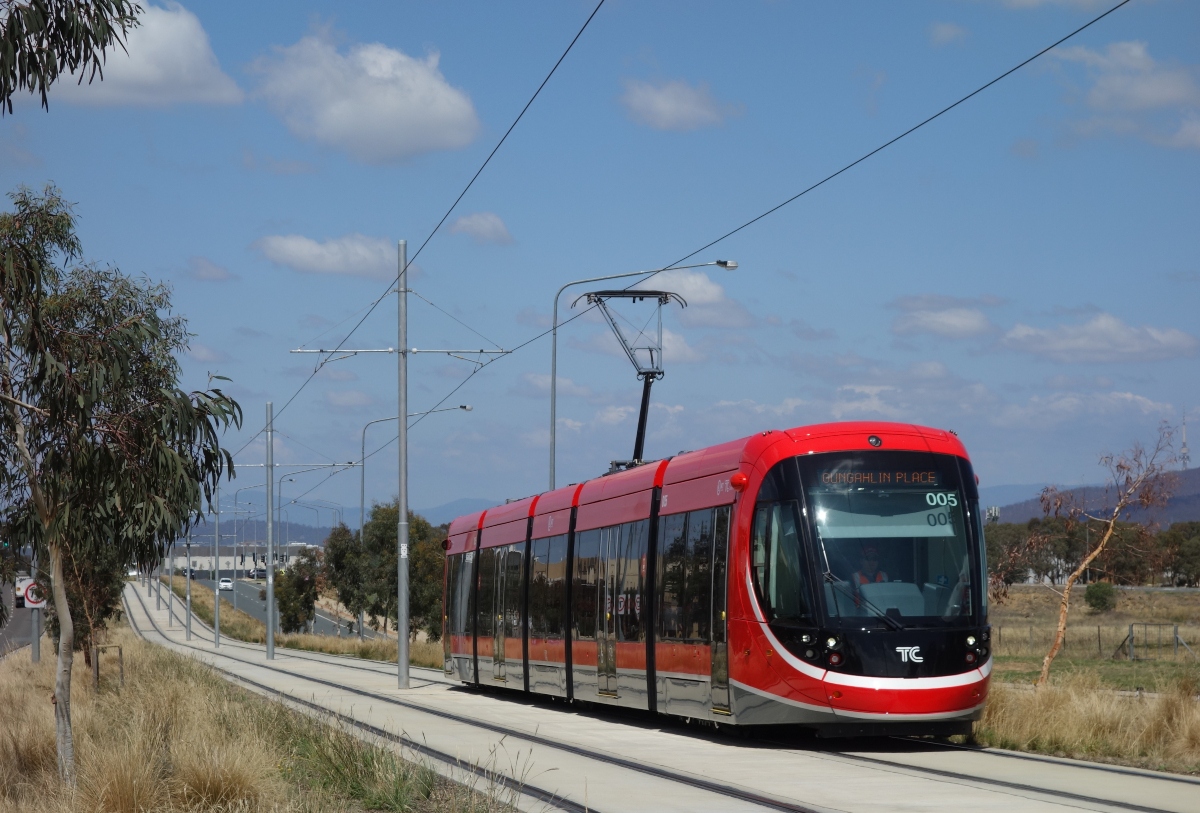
[860, 599]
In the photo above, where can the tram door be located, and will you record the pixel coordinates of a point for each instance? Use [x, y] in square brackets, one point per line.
[509, 565]
[606, 627]
[720, 604]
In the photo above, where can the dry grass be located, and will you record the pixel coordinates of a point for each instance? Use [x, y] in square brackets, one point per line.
[179, 738]
[1076, 717]
[237, 624]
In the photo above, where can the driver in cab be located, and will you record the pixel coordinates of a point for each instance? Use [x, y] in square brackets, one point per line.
[870, 572]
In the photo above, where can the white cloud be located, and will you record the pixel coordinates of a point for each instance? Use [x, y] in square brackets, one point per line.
[1132, 93]
[950, 317]
[202, 268]
[348, 399]
[613, 415]
[205, 354]
[707, 303]
[946, 33]
[354, 255]
[785, 408]
[674, 105]
[538, 384]
[856, 400]
[1103, 338]
[167, 60]
[482, 227]
[1062, 407]
[376, 103]
[676, 350]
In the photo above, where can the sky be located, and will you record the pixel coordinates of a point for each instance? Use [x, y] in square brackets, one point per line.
[1023, 270]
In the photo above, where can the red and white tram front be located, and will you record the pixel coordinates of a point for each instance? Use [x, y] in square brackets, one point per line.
[867, 586]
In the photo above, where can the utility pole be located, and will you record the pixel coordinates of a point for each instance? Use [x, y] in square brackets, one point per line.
[270, 531]
[217, 582]
[35, 633]
[402, 499]
[188, 581]
[171, 589]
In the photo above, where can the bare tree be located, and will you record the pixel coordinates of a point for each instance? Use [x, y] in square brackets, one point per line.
[1137, 479]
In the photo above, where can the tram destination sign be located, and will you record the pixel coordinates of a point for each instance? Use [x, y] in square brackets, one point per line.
[889, 477]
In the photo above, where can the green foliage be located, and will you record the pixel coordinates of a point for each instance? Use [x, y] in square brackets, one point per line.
[1101, 597]
[41, 39]
[1181, 542]
[103, 459]
[296, 592]
[367, 572]
[94, 585]
[345, 568]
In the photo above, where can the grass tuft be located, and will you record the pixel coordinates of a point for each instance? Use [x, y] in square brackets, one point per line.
[1076, 717]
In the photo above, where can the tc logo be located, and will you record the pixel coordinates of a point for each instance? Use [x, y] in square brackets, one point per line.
[910, 653]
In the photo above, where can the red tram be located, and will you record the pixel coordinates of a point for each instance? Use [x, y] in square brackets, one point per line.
[828, 576]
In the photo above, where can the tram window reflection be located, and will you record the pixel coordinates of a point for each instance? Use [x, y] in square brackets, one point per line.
[585, 593]
[777, 561]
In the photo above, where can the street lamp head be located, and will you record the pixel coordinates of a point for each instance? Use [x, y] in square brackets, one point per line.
[728, 265]
[465, 407]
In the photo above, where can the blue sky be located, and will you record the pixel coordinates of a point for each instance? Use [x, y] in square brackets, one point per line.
[1023, 270]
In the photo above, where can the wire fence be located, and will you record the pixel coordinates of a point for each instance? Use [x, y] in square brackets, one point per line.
[1166, 642]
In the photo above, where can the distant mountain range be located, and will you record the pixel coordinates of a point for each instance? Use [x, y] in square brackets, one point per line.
[442, 514]
[1184, 505]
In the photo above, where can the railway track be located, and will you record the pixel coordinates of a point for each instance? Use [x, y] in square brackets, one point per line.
[899, 758]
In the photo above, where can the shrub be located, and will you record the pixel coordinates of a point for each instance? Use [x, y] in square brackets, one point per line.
[1101, 597]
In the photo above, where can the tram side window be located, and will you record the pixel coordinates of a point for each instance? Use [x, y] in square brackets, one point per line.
[556, 597]
[539, 586]
[631, 576]
[547, 587]
[485, 616]
[585, 594]
[460, 593]
[514, 572]
[777, 561]
[672, 567]
[699, 575]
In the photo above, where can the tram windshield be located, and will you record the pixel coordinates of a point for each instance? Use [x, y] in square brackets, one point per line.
[891, 537]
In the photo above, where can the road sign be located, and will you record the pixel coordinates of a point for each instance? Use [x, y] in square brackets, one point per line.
[29, 595]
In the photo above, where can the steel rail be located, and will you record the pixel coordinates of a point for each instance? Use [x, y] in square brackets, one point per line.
[767, 801]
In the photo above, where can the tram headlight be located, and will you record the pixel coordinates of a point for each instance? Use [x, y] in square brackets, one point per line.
[831, 642]
[970, 640]
[806, 639]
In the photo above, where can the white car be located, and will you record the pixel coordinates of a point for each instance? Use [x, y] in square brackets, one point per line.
[225, 584]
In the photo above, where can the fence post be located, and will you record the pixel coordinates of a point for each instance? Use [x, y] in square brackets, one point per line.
[121, 663]
[1175, 641]
[1132, 648]
[95, 667]
[1031, 639]
[1099, 646]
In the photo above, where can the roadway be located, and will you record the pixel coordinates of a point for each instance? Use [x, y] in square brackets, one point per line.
[551, 755]
[248, 602]
[16, 632]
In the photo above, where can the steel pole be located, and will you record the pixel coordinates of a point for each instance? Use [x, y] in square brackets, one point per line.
[270, 531]
[188, 582]
[217, 566]
[35, 633]
[402, 498]
[158, 587]
[171, 588]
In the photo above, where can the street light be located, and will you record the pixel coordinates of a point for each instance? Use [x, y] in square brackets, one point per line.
[363, 459]
[362, 488]
[728, 265]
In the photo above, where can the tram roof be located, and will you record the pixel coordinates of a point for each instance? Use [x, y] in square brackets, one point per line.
[718, 459]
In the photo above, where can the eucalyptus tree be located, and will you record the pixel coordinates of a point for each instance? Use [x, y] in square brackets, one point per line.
[101, 452]
[41, 39]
